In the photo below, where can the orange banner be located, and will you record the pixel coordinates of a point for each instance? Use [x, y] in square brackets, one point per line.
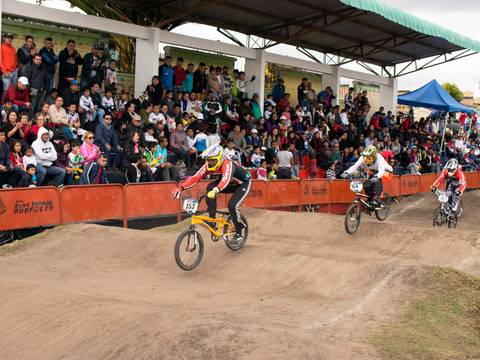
[92, 203]
[409, 184]
[426, 182]
[150, 199]
[315, 192]
[473, 180]
[29, 207]
[340, 192]
[393, 186]
[283, 193]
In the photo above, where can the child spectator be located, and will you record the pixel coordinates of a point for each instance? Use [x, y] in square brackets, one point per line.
[156, 116]
[76, 161]
[16, 154]
[86, 107]
[89, 150]
[28, 158]
[31, 178]
[229, 151]
[149, 134]
[262, 173]
[121, 103]
[111, 77]
[108, 103]
[272, 173]
[74, 122]
[63, 161]
[5, 109]
[201, 141]
[257, 157]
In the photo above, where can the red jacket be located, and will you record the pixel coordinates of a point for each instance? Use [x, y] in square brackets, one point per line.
[8, 58]
[458, 174]
[179, 75]
[18, 98]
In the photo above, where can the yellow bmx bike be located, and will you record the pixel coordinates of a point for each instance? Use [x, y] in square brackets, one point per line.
[189, 247]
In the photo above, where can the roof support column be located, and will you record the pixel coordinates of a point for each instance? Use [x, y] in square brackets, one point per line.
[388, 95]
[256, 67]
[146, 60]
[333, 80]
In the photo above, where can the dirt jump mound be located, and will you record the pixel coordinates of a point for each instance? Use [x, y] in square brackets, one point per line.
[300, 289]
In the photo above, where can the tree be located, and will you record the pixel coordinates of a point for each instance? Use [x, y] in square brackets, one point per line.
[453, 90]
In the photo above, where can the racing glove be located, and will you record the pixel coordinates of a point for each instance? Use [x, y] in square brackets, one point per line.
[434, 189]
[374, 179]
[177, 192]
[213, 193]
[344, 175]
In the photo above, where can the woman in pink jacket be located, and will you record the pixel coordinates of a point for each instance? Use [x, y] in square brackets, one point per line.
[89, 150]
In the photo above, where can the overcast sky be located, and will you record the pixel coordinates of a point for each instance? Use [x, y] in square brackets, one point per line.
[460, 16]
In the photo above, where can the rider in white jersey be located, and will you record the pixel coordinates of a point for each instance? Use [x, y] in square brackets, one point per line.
[376, 168]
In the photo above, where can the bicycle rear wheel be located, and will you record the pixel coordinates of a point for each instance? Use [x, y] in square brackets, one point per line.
[189, 249]
[382, 214]
[352, 218]
[244, 234]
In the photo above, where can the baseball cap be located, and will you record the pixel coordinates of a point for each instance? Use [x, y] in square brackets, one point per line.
[74, 82]
[9, 34]
[263, 148]
[23, 80]
[255, 131]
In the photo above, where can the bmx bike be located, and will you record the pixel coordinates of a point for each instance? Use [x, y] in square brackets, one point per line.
[363, 203]
[189, 246]
[444, 214]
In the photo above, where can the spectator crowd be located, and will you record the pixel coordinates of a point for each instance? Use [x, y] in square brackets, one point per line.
[65, 122]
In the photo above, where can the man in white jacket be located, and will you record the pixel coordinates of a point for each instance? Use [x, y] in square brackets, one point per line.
[45, 153]
[377, 170]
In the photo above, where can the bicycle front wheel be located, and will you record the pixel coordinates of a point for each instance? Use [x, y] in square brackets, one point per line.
[189, 249]
[352, 218]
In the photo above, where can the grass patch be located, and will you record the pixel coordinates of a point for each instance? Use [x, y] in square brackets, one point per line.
[442, 323]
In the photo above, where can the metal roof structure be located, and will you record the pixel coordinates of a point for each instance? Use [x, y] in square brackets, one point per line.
[366, 31]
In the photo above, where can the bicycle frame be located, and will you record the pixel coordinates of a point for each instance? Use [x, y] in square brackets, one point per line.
[202, 219]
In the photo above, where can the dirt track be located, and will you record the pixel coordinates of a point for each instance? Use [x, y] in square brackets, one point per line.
[301, 288]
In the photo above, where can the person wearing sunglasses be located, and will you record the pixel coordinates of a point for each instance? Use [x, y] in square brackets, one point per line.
[377, 170]
[89, 150]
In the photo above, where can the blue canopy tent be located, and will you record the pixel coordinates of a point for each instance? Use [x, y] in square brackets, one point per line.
[433, 96]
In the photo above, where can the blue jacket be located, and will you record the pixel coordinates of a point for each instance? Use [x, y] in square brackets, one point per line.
[166, 76]
[106, 135]
[91, 174]
[49, 59]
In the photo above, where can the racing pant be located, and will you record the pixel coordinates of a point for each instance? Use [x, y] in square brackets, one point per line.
[454, 198]
[240, 192]
[373, 189]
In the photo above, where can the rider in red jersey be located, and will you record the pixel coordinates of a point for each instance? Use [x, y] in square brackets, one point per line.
[233, 179]
[455, 179]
